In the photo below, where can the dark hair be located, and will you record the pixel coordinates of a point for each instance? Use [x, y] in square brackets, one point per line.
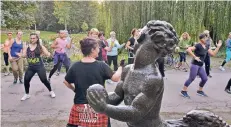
[133, 31]
[38, 43]
[101, 34]
[9, 33]
[202, 35]
[87, 44]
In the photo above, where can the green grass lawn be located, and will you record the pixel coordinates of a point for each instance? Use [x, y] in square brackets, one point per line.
[43, 34]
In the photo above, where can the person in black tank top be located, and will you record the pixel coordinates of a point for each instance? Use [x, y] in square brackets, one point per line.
[130, 45]
[35, 65]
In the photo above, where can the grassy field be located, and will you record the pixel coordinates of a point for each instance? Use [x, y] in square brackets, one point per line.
[44, 35]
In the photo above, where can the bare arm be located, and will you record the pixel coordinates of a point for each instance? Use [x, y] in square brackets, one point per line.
[70, 86]
[107, 49]
[24, 51]
[9, 51]
[213, 53]
[190, 51]
[45, 51]
[54, 44]
[116, 76]
[128, 45]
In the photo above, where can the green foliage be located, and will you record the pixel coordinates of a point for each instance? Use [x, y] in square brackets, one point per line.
[62, 12]
[191, 16]
[18, 14]
[84, 26]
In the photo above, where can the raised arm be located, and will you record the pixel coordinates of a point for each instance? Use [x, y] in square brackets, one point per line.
[213, 53]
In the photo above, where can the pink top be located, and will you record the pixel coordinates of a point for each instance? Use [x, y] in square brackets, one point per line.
[62, 43]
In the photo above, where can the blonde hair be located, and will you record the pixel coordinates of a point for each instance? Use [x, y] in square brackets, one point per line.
[187, 36]
[112, 32]
[94, 30]
[206, 32]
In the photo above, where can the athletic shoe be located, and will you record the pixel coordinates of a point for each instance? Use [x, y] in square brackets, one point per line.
[57, 74]
[201, 93]
[210, 76]
[26, 96]
[15, 81]
[228, 91]
[20, 80]
[222, 68]
[6, 74]
[184, 94]
[52, 94]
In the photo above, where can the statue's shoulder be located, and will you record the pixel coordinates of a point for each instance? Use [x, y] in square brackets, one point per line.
[125, 71]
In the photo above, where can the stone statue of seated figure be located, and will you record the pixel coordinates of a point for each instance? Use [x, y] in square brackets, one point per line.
[141, 86]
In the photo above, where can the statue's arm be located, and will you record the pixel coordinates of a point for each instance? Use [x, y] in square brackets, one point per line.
[136, 111]
[116, 97]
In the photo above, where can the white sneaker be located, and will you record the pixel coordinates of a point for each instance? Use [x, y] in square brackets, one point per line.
[26, 96]
[222, 68]
[52, 94]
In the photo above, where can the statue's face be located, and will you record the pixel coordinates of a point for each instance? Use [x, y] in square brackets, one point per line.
[159, 36]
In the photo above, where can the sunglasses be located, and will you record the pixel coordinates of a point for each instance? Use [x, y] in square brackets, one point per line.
[32, 38]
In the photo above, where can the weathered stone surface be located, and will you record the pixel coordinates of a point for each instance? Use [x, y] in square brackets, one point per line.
[141, 86]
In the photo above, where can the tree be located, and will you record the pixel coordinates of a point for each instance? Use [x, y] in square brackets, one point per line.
[84, 26]
[62, 12]
[18, 14]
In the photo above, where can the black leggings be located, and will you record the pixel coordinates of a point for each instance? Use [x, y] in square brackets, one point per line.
[229, 84]
[6, 58]
[55, 68]
[160, 62]
[114, 60]
[42, 76]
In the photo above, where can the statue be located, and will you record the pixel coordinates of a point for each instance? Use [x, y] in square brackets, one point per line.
[141, 86]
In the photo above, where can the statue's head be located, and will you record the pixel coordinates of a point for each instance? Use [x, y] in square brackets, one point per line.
[160, 36]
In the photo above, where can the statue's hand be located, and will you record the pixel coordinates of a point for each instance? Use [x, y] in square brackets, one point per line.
[97, 97]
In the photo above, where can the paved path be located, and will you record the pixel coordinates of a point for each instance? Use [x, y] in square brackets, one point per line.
[42, 111]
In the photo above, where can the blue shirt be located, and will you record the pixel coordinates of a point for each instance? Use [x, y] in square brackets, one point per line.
[228, 43]
[115, 47]
[15, 48]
